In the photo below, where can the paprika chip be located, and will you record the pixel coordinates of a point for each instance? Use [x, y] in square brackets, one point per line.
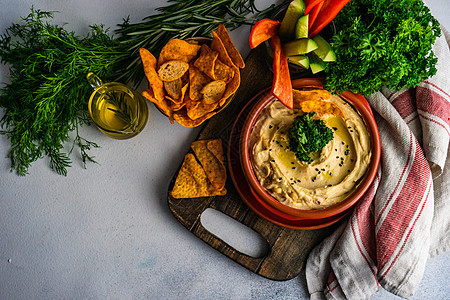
[206, 61]
[321, 107]
[232, 51]
[223, 72]
[177, 49]
[306, 95]
[217, 45]
[214, 168]
[197, 80]
[192, 182]
[162, 104]
[182, 118]
[216, 148]
[155, 83]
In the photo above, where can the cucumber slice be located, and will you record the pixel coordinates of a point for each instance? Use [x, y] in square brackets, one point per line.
[324, 50]
[295, 10]
[301, 46]
[301, 28]
[300, 60]
[315, 63]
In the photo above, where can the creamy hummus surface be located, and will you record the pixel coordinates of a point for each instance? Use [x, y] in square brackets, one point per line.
[332, 174]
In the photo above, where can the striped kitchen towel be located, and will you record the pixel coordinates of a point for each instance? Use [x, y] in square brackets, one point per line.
[405, 216]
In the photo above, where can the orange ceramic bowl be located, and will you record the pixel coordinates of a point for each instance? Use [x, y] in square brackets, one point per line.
[360, 104]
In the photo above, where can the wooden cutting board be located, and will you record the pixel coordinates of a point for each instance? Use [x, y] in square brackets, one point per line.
[288, 248]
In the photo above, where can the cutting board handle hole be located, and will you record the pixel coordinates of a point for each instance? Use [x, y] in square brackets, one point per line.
[234, 233]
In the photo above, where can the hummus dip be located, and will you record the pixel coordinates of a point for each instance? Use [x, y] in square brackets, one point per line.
[331, 175]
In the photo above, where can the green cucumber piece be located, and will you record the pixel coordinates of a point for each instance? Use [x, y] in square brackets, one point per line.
[295, 10]
[324, 50]
[301, 28]
[301, 46]
[299, 60]
[315, 63]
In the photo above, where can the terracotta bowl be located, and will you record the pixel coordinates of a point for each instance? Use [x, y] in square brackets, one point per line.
[361, 105]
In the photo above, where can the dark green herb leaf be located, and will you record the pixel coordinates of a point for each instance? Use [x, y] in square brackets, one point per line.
[48, 92]
[382, 43]
[307, 136]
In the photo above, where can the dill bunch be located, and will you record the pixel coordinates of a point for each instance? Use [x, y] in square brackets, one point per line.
[183, 19]
[47, 96]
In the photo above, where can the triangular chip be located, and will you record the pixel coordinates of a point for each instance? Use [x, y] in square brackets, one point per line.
[217, 45]
[232, 86]
[223, 72]
[229, 45]
[162, 105]
[321, 108]
[177, 49]
[307, 95]
[192, 182]
[149, 64]
[197, 80]
[215, 146]
[214, 169]
[182, 118]
[206, 61]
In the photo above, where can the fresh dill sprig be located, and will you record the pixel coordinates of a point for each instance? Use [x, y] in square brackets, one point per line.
[48, 93]
[182, 19]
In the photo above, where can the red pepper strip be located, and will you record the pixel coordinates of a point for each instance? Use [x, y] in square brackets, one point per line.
[310, 5]
[313, 14]
[262, 31]
[328, 12]
[281, 85]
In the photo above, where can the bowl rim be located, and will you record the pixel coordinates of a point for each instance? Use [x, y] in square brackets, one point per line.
[361, 105]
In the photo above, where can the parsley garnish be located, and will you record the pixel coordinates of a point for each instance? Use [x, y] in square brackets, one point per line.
[382, 43]
[307, 136]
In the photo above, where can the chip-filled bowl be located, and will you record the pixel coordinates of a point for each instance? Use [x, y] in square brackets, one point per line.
[361, 105]
[183, 119]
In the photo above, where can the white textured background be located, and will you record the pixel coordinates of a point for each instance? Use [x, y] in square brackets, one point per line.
[106, 232]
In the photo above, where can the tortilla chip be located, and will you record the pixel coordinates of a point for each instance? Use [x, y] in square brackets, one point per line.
[173, 88]
[192, 182]
[232, 86]
[223, 72]
[206, 61]
[321, 108]
[229, 45]
[172, 70]
[197, 81]
[182, 118]
[306, 95]
[177, 106]
[215, 146]
[218, 46]
[177, 49]
[163, 105]
[149, 64]
[214, 168]
[213, 91]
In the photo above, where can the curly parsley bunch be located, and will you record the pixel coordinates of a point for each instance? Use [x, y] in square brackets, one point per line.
[382, 43]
